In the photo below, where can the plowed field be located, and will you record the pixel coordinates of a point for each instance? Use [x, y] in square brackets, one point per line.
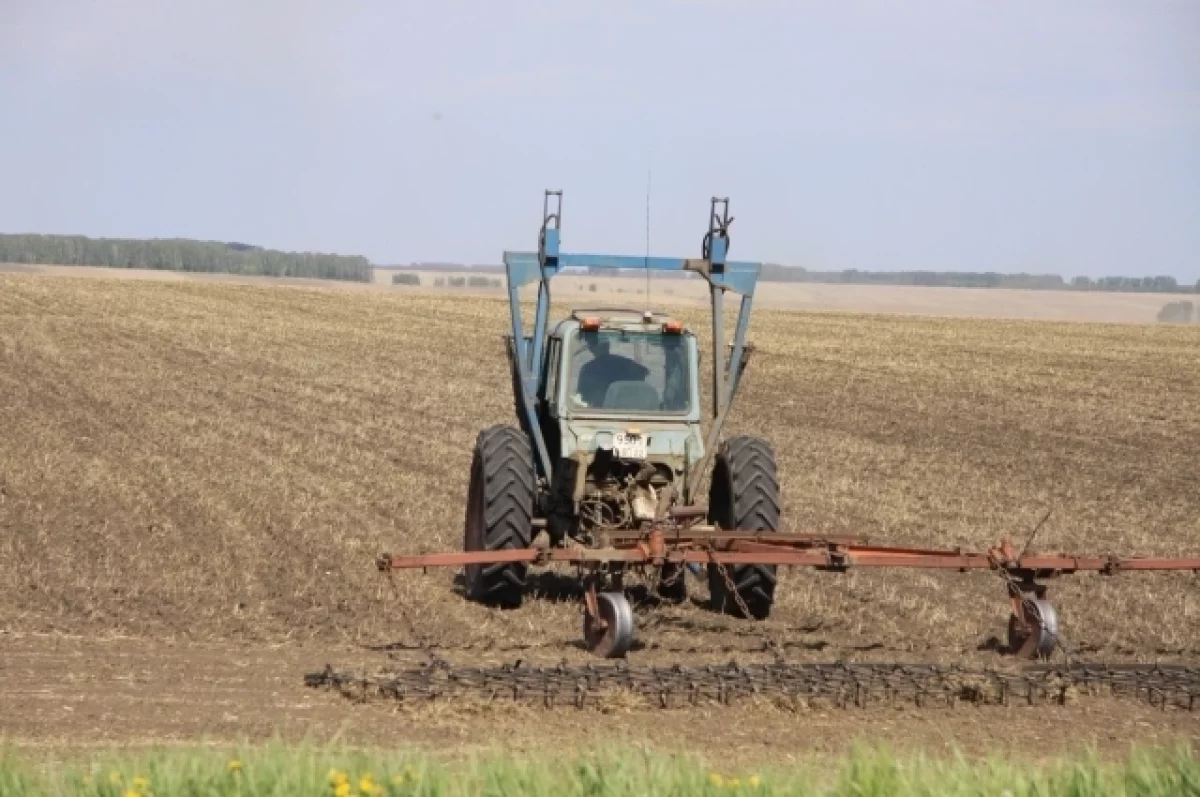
[195, 480]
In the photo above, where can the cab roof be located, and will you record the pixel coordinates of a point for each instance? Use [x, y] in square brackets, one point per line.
[621, 315]
[626, 318]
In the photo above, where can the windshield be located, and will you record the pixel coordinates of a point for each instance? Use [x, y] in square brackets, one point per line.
[619, 371]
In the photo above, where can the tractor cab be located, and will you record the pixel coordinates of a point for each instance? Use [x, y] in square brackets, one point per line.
[607, 362]
[618, 404]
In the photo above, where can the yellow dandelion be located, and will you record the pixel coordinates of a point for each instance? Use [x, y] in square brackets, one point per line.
[336, 776]
[140, 784]
[342, 789]
[715, 779]
[754, 781]
[400, 779]
[132, 793]
[366, 784]
[234, 766]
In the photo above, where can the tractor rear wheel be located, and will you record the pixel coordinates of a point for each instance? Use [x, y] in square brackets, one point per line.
[499, 514]
[744, 496]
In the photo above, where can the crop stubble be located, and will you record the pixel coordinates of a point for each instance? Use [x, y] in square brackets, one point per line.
[222, 463]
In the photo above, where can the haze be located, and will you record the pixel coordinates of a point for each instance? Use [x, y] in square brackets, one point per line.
[1049, 137]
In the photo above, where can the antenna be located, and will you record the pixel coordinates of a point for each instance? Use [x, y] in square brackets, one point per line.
[648, 177]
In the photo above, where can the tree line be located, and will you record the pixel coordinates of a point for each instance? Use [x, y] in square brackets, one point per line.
[968, 279]
[179, 254]
[954, 279]
[1134, 285]
[473, 281]
[773, 272]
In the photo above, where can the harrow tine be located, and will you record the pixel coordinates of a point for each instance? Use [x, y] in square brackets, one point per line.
[849, 685]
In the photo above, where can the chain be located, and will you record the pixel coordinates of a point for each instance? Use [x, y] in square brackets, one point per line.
[729, 585]
[419, 639]
[769, 642]
[657, 582]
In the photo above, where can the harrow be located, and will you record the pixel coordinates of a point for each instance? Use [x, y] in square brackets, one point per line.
[608, 626]
[605, 461]
[842, 684]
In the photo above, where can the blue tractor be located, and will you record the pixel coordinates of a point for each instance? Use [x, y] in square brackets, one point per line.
[608, 439]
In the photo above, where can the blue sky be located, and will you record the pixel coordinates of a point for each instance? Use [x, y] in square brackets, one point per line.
[1010, 136]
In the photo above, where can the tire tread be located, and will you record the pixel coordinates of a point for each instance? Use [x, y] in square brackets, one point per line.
[505, 458]
[746, 469]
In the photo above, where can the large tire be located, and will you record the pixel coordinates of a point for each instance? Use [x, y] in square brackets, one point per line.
[744, 496]
[499, 513]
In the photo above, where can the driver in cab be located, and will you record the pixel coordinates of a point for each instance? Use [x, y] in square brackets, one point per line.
[604, 369]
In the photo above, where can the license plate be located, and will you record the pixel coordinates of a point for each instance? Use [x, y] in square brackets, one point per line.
[629, 446]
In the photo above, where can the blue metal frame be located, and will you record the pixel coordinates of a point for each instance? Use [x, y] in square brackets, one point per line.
[526, 268]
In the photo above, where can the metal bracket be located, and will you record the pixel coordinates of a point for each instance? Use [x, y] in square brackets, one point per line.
[526, 268]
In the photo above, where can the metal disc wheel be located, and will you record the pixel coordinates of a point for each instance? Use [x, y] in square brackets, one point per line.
[1038, 639]
[613, 640]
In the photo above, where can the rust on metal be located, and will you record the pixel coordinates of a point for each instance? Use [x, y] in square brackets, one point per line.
[592, 610]
[721, 539]
[655, 547]
[706, 545]
[1033, 625]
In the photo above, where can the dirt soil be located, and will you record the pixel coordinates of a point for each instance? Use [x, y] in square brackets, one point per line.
[195, 480]
[76, 693]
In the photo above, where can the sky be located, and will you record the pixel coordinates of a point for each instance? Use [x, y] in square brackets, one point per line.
[1059, 137]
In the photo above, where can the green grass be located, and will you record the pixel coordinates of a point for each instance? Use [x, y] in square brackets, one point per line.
[298, 771]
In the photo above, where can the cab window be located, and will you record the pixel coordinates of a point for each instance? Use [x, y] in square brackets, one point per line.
[622, 371]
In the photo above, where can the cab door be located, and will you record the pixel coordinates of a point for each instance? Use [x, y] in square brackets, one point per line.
[548, 398]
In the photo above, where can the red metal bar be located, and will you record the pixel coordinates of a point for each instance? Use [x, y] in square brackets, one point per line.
[926, 560]
[458, 558]
[720, 539]
[788, 550]
[1153, 563]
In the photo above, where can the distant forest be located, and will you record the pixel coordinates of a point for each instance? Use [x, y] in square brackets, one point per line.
[969, 279]
[179, 254]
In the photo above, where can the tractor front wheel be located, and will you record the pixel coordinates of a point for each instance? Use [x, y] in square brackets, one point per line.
[499, 514]
[744, 496]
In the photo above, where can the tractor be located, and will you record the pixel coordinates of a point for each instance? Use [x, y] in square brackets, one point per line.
[607, 457]
[608, 439]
